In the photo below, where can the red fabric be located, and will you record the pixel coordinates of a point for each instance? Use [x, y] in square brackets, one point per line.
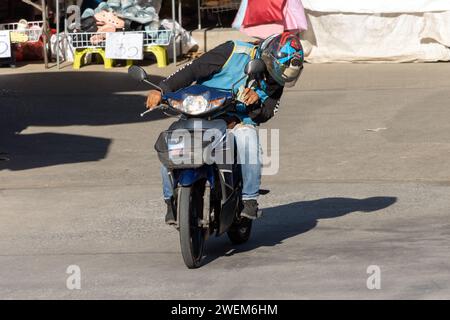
[29, 51]
[263, 12]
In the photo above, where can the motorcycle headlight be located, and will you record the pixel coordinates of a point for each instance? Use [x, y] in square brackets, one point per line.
[196, 104]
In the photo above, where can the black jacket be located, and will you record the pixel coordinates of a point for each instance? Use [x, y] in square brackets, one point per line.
[211, 63]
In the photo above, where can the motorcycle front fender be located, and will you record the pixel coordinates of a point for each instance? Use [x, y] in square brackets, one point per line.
[187, 177]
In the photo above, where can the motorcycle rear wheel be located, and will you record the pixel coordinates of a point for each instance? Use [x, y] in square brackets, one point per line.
[192, 236]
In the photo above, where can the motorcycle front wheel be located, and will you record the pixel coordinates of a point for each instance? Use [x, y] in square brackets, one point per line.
[192, 235]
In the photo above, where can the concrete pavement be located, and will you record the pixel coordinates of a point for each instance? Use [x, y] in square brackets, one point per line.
[82, 188]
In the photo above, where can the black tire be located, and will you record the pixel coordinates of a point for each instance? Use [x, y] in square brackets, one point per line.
[192, 237]
[240, 230]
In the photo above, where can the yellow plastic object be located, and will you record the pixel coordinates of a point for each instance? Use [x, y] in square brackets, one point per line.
[18, 37]
[160, 53]
[80, 53]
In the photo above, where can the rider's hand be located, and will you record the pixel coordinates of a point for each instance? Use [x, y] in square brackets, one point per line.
[153, 99]
[250, 97]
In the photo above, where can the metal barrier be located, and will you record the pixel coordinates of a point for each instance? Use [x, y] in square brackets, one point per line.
[33, 30]
[216, 7]
[81, 40]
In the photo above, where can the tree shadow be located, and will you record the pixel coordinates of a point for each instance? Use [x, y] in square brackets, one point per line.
[286, 221]
[54, 99]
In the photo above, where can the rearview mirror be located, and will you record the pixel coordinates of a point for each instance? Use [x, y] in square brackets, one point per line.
[137, 73]
[254, 67]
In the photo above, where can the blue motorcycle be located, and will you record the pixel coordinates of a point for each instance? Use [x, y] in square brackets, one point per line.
[207, 189]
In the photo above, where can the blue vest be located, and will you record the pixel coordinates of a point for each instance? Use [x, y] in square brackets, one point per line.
[232, 71]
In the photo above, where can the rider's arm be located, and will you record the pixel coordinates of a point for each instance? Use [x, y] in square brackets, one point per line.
[201, 68]
[269, 107]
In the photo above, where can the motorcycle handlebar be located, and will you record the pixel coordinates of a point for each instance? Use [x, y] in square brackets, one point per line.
[162, 106]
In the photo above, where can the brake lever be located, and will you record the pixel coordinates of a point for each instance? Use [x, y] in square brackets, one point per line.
[145, 112]
[161, 106]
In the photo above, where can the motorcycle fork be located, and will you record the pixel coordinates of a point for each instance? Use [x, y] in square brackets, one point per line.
[205, 222]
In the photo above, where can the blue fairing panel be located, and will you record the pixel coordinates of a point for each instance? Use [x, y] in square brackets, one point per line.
[208, 93]
[187, 177]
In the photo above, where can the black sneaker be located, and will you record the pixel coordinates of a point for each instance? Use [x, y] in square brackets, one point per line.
[170, 215]
[250, 210]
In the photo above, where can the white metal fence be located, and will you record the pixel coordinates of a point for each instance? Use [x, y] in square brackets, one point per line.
[81, 40]
[33, 29]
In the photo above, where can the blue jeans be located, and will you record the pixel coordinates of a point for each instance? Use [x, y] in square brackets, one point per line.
[248, 155]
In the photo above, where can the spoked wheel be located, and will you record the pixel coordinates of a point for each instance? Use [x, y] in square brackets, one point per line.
[240, 230]
[192, 234]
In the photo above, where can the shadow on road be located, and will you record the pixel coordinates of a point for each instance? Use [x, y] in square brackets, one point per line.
[286, 221]
[64, 99]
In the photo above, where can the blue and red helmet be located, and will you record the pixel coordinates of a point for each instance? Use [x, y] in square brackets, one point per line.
[283, 56]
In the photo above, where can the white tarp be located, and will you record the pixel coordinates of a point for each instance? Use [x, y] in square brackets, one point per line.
[377, 30]
[377, 6]
[187, 41]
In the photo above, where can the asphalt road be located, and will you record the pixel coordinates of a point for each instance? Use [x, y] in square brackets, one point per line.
[82, 187]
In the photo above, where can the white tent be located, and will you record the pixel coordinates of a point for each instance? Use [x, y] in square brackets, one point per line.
[377, 30]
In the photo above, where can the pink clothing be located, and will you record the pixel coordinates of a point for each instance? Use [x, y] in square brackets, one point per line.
[294, 19]
[294, 16]
[263, 11]
[263, 31]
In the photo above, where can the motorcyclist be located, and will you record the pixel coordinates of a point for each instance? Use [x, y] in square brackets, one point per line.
[224, 66]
